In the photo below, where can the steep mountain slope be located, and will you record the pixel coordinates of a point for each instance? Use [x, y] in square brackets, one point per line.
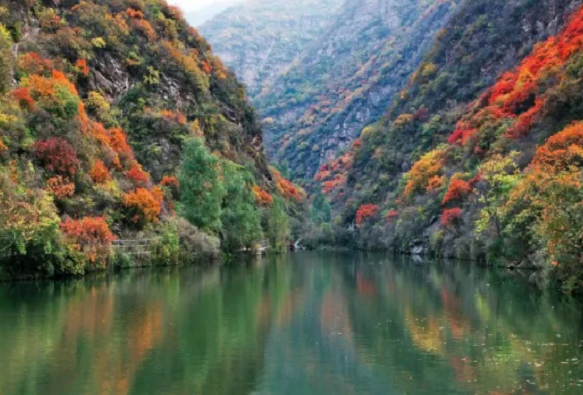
[347, 79]
[496, 178]
[104, 107]
[259, 39]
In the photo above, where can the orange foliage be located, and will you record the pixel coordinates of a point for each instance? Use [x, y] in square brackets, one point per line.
[451, 216]
[435, 183]
[91, 235]
[139, 177]
[169, 115]
[99, 173]
[158, 194]
[562, 150]
[135, 14]
[261, 196]
[3, 147]
[119, 144]
[425, 169]
[46, 89]
[287, 188]
[458, 189]
[146, 206]
[146, 28]
[366, 211]
[81, 65]
[60, 187]
[169, 181]
[206, 67]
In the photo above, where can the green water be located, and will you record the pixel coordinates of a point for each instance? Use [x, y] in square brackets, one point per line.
[307, 323]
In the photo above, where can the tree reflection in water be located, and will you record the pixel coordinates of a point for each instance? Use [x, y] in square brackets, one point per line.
[309, 323]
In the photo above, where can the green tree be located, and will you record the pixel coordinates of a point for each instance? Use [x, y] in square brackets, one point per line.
[202, 187]
[278, 225]
[321, 211]
[240, 217]
[5, 59]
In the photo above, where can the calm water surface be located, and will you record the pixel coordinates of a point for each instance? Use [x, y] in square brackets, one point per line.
[303, 324]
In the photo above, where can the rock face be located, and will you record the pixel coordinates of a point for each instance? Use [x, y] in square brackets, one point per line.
[347, 79]
[261, 38]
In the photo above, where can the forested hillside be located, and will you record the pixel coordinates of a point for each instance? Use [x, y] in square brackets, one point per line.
[347, 79]
[260, 39]
[478, 156]
[117, 122]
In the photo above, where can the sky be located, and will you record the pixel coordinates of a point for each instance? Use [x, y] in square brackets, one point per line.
[193, 5]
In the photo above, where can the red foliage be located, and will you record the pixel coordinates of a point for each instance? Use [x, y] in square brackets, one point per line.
[139, 177]
[391, 215]
[91, 235]
[451, 216]
[32, 63]
[518, 94]
[99, 173]
[458, 189]
[57, 155]
[366, 211]
[24, 99]
[145, 206]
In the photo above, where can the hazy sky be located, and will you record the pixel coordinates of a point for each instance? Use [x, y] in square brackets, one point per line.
[192, 5]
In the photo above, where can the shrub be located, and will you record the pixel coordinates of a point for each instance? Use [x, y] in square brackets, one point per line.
[57, 155]
[99, 173]
[143, 206]
[91, 236]
[451, 217]
[366, 211]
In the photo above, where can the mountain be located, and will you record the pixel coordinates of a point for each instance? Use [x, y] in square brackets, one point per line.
[260, 39]
[199, 17]
[478, 157]
[347, 79]
[116, 123]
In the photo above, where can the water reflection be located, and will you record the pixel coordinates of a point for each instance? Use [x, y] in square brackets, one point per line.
[308, 323]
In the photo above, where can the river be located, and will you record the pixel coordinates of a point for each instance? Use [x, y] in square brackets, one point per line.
[305, 323]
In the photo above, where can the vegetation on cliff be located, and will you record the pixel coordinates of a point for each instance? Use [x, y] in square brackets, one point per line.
[496, 179]
[111, 115]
